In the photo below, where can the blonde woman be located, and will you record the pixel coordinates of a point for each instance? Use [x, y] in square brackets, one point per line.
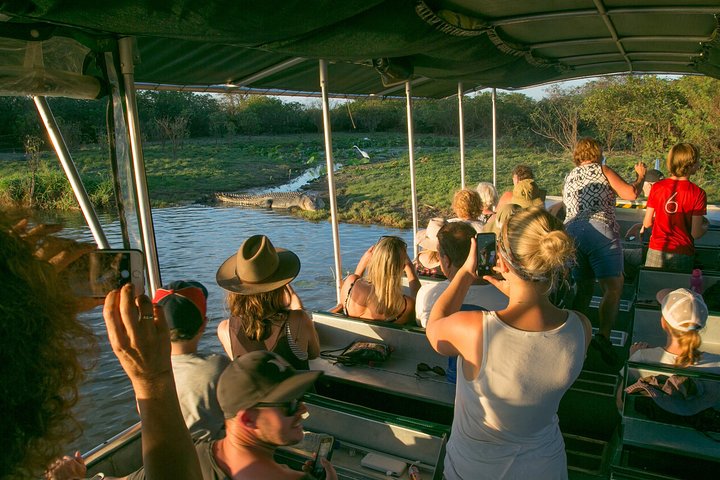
[467, 206]
[684, 315]
[488, 198]
[378, 295]
[514, 365]
[265, 311]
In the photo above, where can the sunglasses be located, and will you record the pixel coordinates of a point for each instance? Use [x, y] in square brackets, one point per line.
[424, 367]
[287, 408]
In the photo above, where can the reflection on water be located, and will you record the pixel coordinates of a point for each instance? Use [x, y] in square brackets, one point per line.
[192, 243]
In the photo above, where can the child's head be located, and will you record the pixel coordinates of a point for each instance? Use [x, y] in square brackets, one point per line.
[683, 159]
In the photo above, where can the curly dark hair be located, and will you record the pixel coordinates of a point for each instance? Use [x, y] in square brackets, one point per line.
[41, 347]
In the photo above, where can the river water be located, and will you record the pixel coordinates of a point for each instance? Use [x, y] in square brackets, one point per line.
[192, 243]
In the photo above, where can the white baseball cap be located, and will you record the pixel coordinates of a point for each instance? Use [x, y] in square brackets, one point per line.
[683, 309]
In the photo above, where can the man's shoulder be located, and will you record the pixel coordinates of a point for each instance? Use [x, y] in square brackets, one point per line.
[212, 361]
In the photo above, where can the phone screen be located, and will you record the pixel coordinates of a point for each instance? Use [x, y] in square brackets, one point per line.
[98, 272]
[324, 451]
[486, 253]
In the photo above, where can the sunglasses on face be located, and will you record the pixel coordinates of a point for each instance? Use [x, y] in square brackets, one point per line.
[424, 367]
[288, 409]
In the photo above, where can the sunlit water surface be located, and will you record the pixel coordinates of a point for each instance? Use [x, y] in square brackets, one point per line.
[192, 243]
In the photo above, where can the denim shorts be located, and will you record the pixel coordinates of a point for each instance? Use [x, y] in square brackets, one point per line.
[599, 252]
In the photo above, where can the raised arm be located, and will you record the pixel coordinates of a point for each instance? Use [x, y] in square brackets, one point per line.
[623, 189]
[413, 280]
[364, 261]
[449, 331]
[140, 338]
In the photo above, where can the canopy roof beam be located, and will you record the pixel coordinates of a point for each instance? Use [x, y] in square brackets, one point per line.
[590, 12]
[613, 32]
[279, 67]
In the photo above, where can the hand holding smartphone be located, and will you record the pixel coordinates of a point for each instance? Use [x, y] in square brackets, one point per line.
[486, 254]
[97, 273]
[324, 450]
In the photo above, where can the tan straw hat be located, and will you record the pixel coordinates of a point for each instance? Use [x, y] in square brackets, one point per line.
[427, 238]
[257, 267]
[527, 194]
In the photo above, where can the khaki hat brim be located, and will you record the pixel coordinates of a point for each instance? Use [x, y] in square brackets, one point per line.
[288, 269]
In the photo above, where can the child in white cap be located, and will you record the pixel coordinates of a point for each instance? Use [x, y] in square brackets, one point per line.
[684, 314]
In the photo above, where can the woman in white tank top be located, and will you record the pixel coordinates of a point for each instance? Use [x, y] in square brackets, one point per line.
[514, 365]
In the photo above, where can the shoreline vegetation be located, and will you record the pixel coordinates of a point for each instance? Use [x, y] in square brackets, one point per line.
[369, 191]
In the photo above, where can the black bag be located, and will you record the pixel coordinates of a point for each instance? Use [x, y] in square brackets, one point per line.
[359, 352]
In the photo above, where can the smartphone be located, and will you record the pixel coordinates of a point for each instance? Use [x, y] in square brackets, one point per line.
[486, 253]
[324, 450]
[98, 272]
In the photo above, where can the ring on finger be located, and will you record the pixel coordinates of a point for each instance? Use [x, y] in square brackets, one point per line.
[148, 317]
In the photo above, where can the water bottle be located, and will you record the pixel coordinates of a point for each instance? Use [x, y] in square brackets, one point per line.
[451, 371]
[696, 281]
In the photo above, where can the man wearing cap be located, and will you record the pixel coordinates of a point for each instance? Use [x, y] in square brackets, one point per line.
[453, 247]
[519, 173]
[196, 375]
[683, 315]
[261, 398]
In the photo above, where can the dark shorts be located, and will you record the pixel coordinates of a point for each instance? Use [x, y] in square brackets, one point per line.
[599, 252]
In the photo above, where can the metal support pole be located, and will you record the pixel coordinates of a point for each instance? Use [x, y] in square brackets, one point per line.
[461, 127]
[331, 178]
[494, 133]
[145, 214]
[411, 151]
[71, 172]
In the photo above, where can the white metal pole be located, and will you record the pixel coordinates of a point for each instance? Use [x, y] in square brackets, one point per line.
[494, 133]
[411, 151]
[143, 199]
[461, 127]
[327, 131]
[71, 171]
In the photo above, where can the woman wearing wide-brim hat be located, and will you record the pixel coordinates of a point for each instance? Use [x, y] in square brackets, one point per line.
[265, 311]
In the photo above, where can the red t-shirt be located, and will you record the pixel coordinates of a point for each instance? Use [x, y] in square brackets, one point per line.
[675, 203]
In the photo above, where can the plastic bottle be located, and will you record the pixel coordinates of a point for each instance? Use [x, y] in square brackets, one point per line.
[696, 281]
[451, 371]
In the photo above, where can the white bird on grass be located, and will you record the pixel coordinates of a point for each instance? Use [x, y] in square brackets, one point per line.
[362, 152]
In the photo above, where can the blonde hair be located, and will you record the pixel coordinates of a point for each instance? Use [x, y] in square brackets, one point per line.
[535, 242]
[587, 150]
[258, 311]
[681, 158]
[690, 346]
[488, 195]
[466, 204]
[385, 275]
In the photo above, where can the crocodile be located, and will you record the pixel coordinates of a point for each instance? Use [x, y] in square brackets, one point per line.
[273, 200]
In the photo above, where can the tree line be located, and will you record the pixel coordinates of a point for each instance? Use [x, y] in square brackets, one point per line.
[642, 114]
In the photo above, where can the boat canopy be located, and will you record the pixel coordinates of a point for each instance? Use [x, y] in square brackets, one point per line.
[53, 47]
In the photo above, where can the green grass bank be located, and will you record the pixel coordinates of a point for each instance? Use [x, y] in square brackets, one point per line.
[369, 191]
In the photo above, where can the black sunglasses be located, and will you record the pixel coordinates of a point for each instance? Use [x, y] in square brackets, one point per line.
[424, 367]
[288, 408]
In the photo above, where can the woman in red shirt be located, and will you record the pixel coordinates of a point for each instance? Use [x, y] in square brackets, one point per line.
[675, 211]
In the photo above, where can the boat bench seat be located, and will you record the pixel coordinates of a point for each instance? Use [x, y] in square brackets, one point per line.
[646, 325]
[642, 433]
[359, 431]
[398, 374]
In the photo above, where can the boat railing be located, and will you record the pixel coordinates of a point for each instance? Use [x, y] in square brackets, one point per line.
[686, 450]
[117, 456]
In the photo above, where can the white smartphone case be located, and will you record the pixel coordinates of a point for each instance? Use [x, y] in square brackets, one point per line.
[381, 463]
